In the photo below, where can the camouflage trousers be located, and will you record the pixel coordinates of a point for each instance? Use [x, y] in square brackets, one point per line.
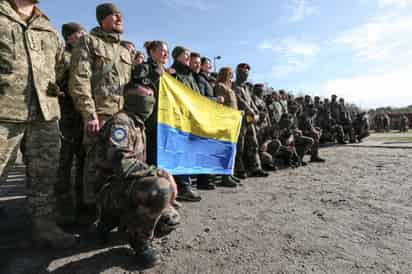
[303, 144]
[135, 207]
[41, 156]
[268, 157]
[247, 154]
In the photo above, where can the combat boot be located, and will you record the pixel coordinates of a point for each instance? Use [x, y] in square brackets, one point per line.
[147, 256]
[188, 194]
[227, 181]
[45, 232]
[204, 183]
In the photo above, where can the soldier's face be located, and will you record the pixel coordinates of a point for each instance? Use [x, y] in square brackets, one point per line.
[139, 59]
[195, 64]
[72, 39]
[242, 74]
[113, 23]
[160, 54]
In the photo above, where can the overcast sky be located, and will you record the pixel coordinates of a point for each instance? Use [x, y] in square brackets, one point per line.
[358, 49]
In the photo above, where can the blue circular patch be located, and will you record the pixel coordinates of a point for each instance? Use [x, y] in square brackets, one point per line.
[119, 134]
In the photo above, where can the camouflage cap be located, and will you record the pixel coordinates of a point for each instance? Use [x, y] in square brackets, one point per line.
[104, 10]
[70, 28]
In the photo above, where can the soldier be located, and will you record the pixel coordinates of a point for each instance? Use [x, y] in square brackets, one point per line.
[335, 109]
[283, 99]
[346, 121]
[275, 108]
[306, 125]
[100, 68]
[361, 126]
[138, 58]
[71, 128]
[248, 144]
[132, 195]
[31, 59]
[264, 118]
[302, 143]
[404, 122]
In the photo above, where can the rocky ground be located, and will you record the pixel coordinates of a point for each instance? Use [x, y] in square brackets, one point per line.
[350, 215]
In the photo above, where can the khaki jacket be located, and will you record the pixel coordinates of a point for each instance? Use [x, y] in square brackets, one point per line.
[96, 95]
[227, 93]
[30, 63]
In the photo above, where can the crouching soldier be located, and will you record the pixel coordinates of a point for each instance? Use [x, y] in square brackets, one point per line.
[132, 195]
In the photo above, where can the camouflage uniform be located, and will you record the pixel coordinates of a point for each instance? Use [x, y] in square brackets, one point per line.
[306, 125]
[131, 195]
[100, 68]
[247, 156]
[31, 55]
[95, 86]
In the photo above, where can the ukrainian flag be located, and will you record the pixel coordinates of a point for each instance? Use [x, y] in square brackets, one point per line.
[194, 134]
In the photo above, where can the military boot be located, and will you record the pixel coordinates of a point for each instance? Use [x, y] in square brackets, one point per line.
[228, 181]
[45, 232]
[188, 194]
[147, 256]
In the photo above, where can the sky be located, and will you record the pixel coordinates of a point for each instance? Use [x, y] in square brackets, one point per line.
[358, 49]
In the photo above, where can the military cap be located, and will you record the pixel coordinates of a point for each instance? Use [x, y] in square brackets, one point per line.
[70, 28]
[282, 91]
[104, 10]
[317, 98]
[341, 100]
[334, 96]
[243, 65]
[177, 51]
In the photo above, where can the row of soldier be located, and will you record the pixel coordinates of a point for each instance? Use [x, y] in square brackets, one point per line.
[107, 95]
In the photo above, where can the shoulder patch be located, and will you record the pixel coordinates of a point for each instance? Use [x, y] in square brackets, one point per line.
[119, 134]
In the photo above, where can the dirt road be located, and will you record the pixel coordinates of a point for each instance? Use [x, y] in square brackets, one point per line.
[350, 215]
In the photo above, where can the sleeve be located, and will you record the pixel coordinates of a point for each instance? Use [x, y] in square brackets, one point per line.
[60, 61]
[80, 87]
[121, 154]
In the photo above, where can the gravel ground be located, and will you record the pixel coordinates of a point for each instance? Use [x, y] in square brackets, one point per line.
[352, 214]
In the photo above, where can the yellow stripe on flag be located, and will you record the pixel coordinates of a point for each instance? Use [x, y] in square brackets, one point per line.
[186, 110]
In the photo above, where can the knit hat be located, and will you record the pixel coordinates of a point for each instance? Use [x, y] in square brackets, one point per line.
[104, 10]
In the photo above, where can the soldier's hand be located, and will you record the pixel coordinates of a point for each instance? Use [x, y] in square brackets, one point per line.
[263, 147]
[164, 174]
[93, 126]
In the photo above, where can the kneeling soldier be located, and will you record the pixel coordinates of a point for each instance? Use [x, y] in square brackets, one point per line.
[132, 195]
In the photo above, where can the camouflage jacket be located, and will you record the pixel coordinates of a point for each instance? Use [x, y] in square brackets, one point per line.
[244, 99]
[94, 93]
[30, 63]
[121, 148]
[227, 93]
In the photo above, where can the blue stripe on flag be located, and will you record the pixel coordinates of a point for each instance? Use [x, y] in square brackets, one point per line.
[183, 153]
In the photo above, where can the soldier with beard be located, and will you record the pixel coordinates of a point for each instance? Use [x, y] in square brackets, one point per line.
[247, 157]
[29, 109]
[100, 68]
